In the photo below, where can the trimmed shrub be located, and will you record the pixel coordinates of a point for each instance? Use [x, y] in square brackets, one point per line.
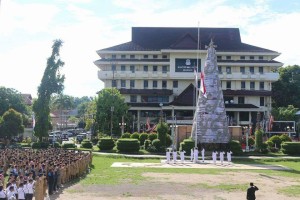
[270, 143]
[187, 145]
[128, 145]
[86, 144]
[264, 148]
[135, 135]
[106, 144]
[95, 141]
[251, 141]
[285, 138]
[235, 147]
[157, 144]
[162, 130]
[276, 140]
[258, 139]
[40, 145]
[57, 145]
[69, 145]
[291, 148]
[169, 141]
[147, 143]
[125, 135]
[143, 137]
[152, 136]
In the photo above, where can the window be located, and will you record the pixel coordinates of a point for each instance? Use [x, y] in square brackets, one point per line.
[228, 99]
[244, 116]
[133, 98]
[220, 69]
[154, 84]
[251, 69]
[228, 57]
[145, 84]
[175, 84]
[252, 85]
[123, 68]
[132, 56]
[132, 83]
[132, 68]
[164, 69]
[260, 57]
[146, 68]
[242, 70]
[228, 84]
[154, 68]
[123, 83]
[262, 101]
[219, 57]
[164, 84]
[154, 56]
[164, 56]
[145, 56]
[113, 56]
[243, 85]
[155, 99]
[251, 57]
[261, 70]
[241, 100]
[228, 70]
[123, 56]
[261, 85]
[113, 83]
[242, 57]
[113, 68]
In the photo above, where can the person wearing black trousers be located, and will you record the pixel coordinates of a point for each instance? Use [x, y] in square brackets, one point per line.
[251, 192]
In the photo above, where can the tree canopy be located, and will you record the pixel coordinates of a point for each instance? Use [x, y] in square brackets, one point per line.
[285, 113]
[11, 98]
[107, 98]
[52, 82]
[286, 90]
[11, 124]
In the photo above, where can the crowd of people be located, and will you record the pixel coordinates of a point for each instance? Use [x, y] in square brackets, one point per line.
[28, 173]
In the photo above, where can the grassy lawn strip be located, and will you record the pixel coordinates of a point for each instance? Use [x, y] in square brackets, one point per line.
[291, 190]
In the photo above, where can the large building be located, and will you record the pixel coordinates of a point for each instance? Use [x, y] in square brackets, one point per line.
[155, 73]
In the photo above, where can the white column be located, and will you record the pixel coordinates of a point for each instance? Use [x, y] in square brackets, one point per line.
[138, 120]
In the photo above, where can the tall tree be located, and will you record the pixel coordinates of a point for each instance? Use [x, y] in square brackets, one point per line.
[52, 82]
[12, 124]
[286, 90]
[108, 98]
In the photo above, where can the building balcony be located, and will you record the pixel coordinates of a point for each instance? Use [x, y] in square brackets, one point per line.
[248, 76]
[109, 75]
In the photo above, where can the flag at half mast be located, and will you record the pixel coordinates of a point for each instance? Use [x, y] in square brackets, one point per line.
[210, 123]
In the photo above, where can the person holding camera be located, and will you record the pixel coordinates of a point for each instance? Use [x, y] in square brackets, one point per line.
[251, 192]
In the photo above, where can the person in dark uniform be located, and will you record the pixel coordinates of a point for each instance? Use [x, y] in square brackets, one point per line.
[251, 192]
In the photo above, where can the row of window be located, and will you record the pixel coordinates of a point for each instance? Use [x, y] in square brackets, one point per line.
[243, 85]
[146, 68]
[241, 100]
[241, 57]
[132, 56]
[150, 99]
[164, 84]
[242, 70]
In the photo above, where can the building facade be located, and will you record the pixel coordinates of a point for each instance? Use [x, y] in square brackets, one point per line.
[155, 72]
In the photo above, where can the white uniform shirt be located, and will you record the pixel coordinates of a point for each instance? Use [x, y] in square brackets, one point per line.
[229, 156]
[30, 188]
[21, 193]
[192, 154]
[202, 154]
[182, 156]
[2, 194]
[11, 195]
[174, 156]
[168, 155]
[222, 156]
[196, 155]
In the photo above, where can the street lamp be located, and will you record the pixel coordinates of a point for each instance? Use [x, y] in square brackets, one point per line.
[111, 120]
[161, 112]
[122, 125]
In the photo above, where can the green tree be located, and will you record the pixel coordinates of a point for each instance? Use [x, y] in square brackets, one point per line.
[108, 98]
[259, 139]
[10, 98]
[52, 82]
[11, 124]
[286, 90]
[162, 130]
[63, 102]
[285, 113]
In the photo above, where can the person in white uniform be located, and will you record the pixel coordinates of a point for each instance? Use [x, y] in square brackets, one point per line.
[182, 152]
[168, 156]
[2, 193]
[21, 192]
[214, 156]
[222, 157]
[196, 152]
[192, 155]
[202, 154]
[174, 156]
[11, 193]
[229, 156]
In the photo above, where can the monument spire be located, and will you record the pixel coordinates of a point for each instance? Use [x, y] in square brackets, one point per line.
[210, 122]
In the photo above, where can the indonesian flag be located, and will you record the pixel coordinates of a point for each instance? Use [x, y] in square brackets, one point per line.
[202, 86]
[33, 121]
[271, 120]
[148, 123]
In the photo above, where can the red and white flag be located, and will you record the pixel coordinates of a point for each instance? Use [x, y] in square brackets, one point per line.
[202, 86]
[148, 124]
[271, 120]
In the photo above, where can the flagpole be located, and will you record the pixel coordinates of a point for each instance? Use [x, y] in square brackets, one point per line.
[196, 131]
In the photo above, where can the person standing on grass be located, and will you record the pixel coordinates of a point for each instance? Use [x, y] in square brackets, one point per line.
[168, 155]
[251, 192]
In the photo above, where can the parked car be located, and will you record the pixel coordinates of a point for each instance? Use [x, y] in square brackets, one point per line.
[65, 136]
[80, 137]
[56, 138]
[14, 146]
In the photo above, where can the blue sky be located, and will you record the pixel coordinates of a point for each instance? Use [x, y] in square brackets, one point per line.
[28, 28]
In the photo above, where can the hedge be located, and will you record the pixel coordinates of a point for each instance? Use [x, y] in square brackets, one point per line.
[69, 145]
[125, 135]
[135, 136]
[152, 136]
[128, 145]
[147, 143]
[86, 144]
[157, 144]
[143, 137]
[235, 147]
[187, 145]
[40, 145]
[106, 144]
[291, 148]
